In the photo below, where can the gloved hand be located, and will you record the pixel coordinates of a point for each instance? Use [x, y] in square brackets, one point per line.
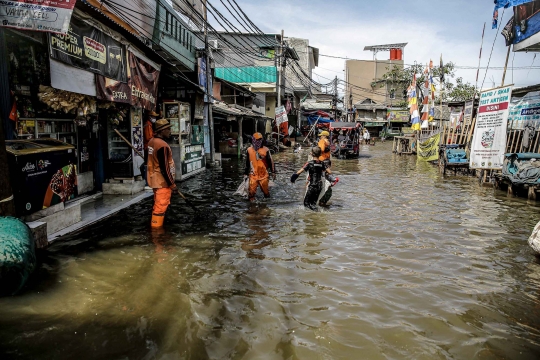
[294, 177]
[336, 180]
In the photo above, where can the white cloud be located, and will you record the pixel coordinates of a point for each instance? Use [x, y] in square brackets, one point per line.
[339, 29]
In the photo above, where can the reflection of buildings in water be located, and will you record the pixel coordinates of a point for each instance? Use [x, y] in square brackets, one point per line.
[257, 222]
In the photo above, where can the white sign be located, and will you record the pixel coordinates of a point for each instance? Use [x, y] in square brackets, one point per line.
[489, 139]
[525, 111]
[467, 113]
[281, 115]
[38, 15]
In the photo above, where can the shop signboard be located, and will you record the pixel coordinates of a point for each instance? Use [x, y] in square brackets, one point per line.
[489, 139]
[37, 15]
[399, 116]
[193, 159]
[112, 90]
[525, 111]
[88, 48]
[143, 79]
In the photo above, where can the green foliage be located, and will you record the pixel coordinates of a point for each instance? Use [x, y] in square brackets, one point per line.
[459, 91]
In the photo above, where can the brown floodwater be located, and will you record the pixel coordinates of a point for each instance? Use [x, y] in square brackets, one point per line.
[404, 264]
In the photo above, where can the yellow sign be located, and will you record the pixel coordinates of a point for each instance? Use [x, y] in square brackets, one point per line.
[429, 149]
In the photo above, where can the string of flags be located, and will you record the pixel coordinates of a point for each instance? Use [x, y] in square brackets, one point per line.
[428, 100]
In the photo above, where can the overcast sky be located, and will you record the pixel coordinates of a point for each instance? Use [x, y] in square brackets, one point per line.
[344, 27]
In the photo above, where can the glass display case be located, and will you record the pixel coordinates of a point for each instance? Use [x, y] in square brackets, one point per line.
[179, 116]
[186, 140]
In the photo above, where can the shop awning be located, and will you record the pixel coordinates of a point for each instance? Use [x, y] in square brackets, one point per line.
[236, 110]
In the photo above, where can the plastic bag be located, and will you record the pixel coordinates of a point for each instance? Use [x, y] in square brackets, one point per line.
[243, 189]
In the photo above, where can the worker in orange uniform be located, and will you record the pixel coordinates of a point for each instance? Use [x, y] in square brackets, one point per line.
[148, 133]
[258, 162]
[324, 144]
[161, 171]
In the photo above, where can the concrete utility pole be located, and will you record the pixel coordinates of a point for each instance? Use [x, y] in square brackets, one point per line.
[209, 88]
[335, 101]
[7, 204]
[279, 64]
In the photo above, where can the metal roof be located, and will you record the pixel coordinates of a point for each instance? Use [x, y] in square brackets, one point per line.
[386, 47]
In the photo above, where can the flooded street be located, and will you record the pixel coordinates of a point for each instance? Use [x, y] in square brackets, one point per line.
[404, 264]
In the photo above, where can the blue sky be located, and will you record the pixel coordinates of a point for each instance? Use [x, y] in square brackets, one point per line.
[344, 27]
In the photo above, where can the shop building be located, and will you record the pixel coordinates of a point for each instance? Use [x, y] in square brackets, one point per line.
[90, 90]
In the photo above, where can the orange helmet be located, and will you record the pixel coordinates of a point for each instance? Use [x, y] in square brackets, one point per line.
[257, 136]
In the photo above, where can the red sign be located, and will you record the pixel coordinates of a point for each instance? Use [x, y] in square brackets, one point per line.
[64, 4]
[494, 107]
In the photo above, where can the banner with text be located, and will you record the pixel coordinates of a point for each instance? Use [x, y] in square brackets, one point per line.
[143, 80]
[37, 15]
[525, 111]
[281, 115]
[112, 90]
[87, 48]
[489, 139]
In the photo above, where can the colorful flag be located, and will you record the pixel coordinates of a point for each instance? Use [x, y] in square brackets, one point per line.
[413, 105]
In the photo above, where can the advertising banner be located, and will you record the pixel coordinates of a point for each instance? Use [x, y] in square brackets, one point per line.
[489, 139]
[468, 113]
[87, 48]
[281, 115]
[112, 90]
[143, 80]
[399, 116]
[37, 15]
[525, 111]
[429, 149]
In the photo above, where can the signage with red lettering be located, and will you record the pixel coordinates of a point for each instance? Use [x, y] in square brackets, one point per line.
[489, 139]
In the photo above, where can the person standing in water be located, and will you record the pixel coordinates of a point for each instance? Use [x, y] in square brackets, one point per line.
[161, 171]
[318, 172]
[258, 161]
[325, 147]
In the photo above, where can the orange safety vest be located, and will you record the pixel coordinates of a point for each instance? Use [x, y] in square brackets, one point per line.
[324, 144]
[155, 177]
[258, 163]
[148, 133]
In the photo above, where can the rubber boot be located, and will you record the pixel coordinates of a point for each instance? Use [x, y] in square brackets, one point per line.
[157, 221]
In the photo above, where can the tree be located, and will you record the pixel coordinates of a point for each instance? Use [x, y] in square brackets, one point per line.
[459, 91]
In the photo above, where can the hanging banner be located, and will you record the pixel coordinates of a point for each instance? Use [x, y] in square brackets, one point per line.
[88, 48]
[525, 111]
[489, 139]
[112, 90]
[429, 149]
[143, 79]
[37, 15]
[468, 113]
[281, 115]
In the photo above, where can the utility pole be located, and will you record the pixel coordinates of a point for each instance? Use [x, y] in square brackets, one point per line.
[335, 97]
[209, 89]
[279, 64]
[7, 205]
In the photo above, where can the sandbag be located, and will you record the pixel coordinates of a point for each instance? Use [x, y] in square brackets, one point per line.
[534, 239]
[17, 255]
[243, 189]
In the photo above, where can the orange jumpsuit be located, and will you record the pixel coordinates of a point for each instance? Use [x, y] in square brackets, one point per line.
[324, 144]
[257, 163]
[160, 175]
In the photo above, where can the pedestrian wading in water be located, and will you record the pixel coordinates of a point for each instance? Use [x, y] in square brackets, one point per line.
[318, 172]
[161, 171]
[258, 162]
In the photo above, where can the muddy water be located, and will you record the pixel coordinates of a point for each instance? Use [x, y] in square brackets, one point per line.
[403, 264]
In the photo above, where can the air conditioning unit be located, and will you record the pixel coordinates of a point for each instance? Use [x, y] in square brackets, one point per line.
[213, 44]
